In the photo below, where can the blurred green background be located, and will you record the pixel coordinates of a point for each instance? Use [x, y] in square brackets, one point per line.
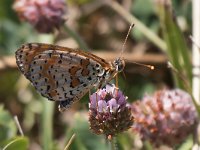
[103, 30]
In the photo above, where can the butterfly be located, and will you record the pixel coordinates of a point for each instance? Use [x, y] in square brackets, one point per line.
[64, 74]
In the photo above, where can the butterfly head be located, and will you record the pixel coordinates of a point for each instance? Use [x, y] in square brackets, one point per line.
[118, 64]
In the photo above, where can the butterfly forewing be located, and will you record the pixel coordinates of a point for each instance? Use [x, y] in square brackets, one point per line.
[60, 73]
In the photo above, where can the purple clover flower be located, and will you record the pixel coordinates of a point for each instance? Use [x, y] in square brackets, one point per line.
[167, 117]
[44, 15]
[109, 112]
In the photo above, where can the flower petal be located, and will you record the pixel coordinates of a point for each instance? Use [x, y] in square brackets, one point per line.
[113, 105]
[102, 106]
[94, 98]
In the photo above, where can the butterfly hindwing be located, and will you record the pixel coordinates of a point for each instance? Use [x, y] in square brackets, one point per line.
[59, 73]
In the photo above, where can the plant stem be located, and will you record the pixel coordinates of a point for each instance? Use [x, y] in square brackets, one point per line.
[76, 37]
[47, 124]
[18, 125]
[138, 24]
[113, 143]
[70, 142]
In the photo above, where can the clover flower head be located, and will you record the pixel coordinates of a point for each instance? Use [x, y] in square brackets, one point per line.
[44, 15]
[167, 117]
[109, 112]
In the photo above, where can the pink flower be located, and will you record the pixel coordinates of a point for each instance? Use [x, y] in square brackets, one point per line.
[167, 117]
[44, 15]
[109, 112]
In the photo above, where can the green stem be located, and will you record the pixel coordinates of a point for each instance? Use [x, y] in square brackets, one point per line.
[132, 19]
[70, 142]
[113, 143]
[47, 124]
[177, 48]
[148, 146]
[76, 37]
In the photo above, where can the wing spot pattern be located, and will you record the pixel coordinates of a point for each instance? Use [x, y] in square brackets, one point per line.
[59, 73]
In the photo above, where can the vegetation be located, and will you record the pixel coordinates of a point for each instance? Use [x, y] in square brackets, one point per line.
[159, 38]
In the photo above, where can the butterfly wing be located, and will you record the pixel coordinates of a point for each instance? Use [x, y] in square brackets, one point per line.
[59, 73]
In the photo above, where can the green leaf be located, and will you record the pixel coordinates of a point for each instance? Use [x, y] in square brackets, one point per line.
[187, 145]
[7, 125]
[13, 34]
[177, 49]
[20, 143]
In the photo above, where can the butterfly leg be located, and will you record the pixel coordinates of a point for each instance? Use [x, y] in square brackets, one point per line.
[97, 101]
[116, 80]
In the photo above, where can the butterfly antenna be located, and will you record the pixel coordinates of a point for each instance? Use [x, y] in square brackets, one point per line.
[123, 46]
[140, 64]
